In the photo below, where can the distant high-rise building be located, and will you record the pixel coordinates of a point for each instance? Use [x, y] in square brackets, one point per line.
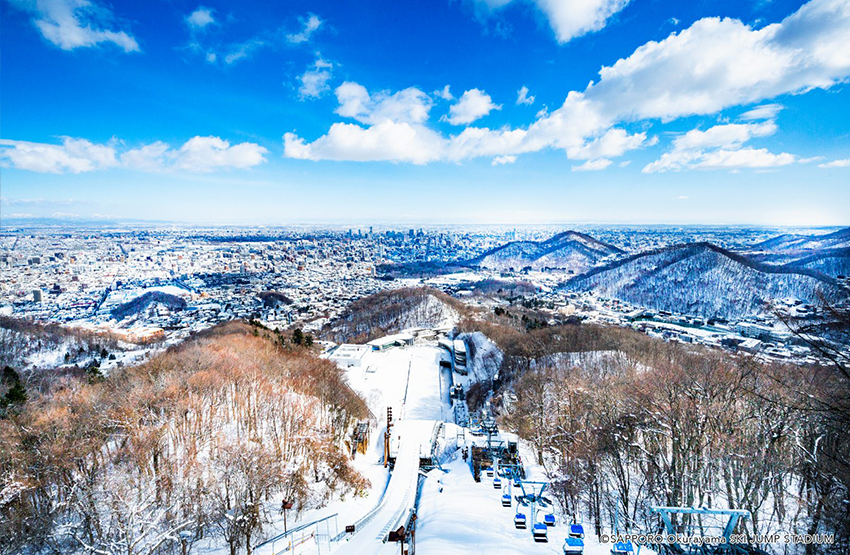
[36, 296]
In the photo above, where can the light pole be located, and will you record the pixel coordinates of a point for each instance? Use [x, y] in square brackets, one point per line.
[285, 505]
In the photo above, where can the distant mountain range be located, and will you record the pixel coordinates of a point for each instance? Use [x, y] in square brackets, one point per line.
[570, 250]
[832, 262]
[799, 243]
[705, 280]
[829, 254]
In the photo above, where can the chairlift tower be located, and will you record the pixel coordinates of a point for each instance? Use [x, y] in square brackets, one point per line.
[532, 496]
[731, 516]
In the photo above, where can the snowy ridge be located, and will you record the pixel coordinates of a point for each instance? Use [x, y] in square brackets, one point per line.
[793, 242]
[704, 280]
[570, 250]
[832, 262]
[391, 312]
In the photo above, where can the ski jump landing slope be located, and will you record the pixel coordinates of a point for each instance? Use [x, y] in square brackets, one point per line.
[410, 381]
[393, 510]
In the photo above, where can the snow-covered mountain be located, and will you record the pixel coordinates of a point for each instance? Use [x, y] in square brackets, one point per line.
[570, 250]
[832, 262]
[800, 243]
[829, 254]
[703, 279]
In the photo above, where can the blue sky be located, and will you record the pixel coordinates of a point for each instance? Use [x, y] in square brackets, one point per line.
[451, 111]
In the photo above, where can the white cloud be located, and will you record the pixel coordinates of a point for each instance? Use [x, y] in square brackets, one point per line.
[522, 97]
[744, 158]
[39, 201]
[245, 49]
[314, 81]
[502, 160]
[836, 164]
[472, 105]
[713, 65]
[309, 25]
[71, 24]
[719, 63]
[445, 94]
[574, 18]
[234, 52]
[570, 18]
[204, 154]
[200, 18]
[727, 135]
[765, 111]
[198, 154]
[613, 143]
[593, 165]
[689, 149]
[385, 141]
[151, 157]
[72, 156]
[410, 105]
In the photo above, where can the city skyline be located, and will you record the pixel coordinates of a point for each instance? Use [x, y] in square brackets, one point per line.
[480, 112]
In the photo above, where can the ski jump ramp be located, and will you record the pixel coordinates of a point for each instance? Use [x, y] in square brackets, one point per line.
[399, 497]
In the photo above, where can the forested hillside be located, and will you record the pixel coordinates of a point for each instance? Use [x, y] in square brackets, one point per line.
[622, 422]
[203, 441]
[831, 262]
[704, 280]
[388, 312]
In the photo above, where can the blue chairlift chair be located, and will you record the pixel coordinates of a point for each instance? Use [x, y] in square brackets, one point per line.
[622, 548]
[520, 520]
[540, 532]
[573, 546]
[577, 531]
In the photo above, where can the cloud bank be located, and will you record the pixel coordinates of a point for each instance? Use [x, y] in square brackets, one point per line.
[198, 154]
[715, 64]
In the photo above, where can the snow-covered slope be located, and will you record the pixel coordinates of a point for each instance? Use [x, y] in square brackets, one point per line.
[570, 250]
[485, 357]
[793, 242]
[705, 280]
[392, 311]
[832, 262]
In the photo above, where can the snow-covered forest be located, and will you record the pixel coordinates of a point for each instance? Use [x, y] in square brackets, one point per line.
[199, 444]
[622, 422]
[391, 311]
[704, 280]
[199, 447]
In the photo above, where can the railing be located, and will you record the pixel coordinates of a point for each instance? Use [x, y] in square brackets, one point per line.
[294, 530]
[365, 519]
